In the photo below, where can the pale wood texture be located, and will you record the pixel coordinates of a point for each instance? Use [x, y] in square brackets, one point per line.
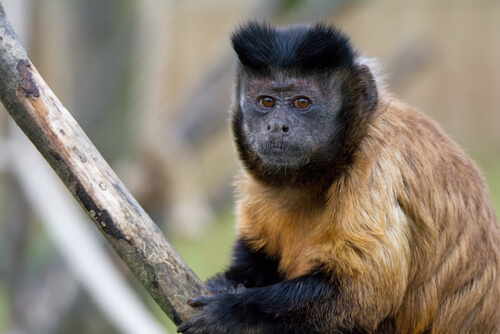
[93, 183]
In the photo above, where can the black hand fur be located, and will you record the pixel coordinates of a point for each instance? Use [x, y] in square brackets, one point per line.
[301, 305]
[271, 305]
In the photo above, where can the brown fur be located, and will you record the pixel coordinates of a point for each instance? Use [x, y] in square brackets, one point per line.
[409, 230]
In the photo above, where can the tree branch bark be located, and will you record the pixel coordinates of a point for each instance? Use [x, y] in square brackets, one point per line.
[92, 182]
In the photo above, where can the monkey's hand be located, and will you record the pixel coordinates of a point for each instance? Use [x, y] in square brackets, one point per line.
[292, 306]
[313, 303]
[216, 315]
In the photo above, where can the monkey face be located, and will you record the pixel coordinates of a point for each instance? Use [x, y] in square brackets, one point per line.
[287, 121]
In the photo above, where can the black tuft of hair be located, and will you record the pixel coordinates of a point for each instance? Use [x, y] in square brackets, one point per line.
[263, 48]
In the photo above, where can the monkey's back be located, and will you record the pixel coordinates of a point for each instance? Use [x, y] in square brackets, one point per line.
[454, 236]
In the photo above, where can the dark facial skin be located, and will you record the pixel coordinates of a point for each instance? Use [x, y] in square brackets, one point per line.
[288, 119]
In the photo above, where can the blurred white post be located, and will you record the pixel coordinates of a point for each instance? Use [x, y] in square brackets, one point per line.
[62, 216]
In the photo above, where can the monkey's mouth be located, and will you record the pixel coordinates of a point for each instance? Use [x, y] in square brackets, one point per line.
[279, 152]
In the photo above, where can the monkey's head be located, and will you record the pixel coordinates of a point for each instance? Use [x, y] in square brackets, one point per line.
[302, 102]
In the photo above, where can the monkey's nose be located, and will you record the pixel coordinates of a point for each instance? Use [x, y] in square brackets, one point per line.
[278, 127]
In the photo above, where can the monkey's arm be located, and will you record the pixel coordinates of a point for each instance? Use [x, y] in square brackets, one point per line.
[313, 303]
[249, 268]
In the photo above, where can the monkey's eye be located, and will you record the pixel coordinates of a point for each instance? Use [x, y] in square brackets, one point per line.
[266, 102]
[302, 103]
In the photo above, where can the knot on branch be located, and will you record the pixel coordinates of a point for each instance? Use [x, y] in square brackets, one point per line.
[28, 85]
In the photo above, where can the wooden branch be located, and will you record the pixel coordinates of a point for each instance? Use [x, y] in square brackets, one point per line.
[92, 182]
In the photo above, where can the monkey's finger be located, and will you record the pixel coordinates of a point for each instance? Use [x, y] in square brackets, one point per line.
[194, 325]
[184, 326]
[200, 301]
[240, 288]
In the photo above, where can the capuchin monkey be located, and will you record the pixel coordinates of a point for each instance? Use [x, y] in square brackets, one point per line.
[355, 213]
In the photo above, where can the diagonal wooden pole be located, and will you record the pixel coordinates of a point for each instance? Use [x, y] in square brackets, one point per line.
[92, 182]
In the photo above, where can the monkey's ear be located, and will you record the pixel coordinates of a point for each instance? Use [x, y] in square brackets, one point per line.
[366, 87]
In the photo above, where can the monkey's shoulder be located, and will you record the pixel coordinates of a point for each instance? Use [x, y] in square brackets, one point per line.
[412, 147]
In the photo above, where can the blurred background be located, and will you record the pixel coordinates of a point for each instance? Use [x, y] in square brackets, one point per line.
[150, 81]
